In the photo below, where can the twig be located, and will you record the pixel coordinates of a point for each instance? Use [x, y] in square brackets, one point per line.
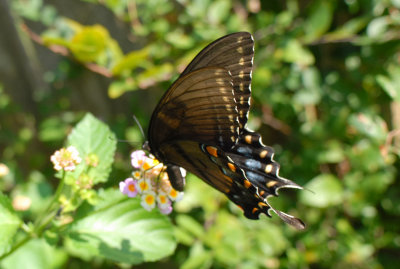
[61, 50]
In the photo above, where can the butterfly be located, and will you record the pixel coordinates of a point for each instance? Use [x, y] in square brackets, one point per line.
[200, 125]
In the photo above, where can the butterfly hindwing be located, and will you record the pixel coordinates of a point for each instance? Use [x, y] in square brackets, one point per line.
[256, 159]
[252, 182]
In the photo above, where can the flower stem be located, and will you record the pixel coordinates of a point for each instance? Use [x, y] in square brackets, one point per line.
[49, 213]
[17, 246]
[41, 222]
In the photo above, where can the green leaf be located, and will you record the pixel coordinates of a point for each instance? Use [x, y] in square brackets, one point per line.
[348, 30]
[91, 136]
[183, 237]
[198, 261]
[191, 225]
[9, 224]
[38, 190]
[372, 126]
[326, 191]
[35, 254]
[332, 152]
[179, 39]
[199, 258]
[319, 20]
[131, 61]
[120, 229]
[89, 43]
[119, 87]
[378, 27]
[295, 53]
[218, 11]
[388, 86]
[154, 74]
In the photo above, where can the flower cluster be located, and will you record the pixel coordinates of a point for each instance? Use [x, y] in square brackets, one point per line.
[66, 159]
[151, 182]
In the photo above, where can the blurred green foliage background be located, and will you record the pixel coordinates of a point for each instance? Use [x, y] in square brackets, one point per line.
[325, 95]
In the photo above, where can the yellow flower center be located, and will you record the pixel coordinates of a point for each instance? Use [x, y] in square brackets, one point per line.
[173, 193]
[149, 199]
[146, 166]
[163, 199]
[131, 187]
[143, 185]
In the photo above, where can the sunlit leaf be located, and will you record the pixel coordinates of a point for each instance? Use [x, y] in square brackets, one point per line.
[91, 136]
[388, 86]
[179, 40]
[36, 254]
[190, 225]
[120, 229]
[348, 29]
[218, 11]
[319, 20]
[377, 26]
[119, 87]
[326, 191]
[369, 125]
[131, 61]
[89, 43]
[295, 53]
[9, 224]
[199, 258]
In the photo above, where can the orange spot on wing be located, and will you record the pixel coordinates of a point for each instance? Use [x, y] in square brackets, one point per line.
[232, 167]
[268, 168]
[263, 154]
[262, 204]
[247, 184]
[228, 179]
[212, 151]
[254, 210]
[271, 183]
[248, 139]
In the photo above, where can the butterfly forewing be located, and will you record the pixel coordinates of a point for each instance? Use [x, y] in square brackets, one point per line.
[199, 106]
[235, 53]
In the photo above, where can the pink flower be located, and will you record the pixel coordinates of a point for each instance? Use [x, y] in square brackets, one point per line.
[164, 204]
[165, 209]
[151, 183]
[129, 187]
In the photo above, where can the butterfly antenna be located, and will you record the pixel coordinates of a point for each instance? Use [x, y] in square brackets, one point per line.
[140, 126]
[124, 140]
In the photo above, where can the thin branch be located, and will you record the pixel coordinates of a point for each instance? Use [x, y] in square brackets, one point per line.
[61, 50]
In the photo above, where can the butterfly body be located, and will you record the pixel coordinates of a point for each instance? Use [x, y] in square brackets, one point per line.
[199, 125]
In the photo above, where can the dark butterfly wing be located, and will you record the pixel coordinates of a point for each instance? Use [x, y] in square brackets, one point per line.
[256, 161]
[246, 184]
[199, 125]
[235, 53]
[200, 107]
